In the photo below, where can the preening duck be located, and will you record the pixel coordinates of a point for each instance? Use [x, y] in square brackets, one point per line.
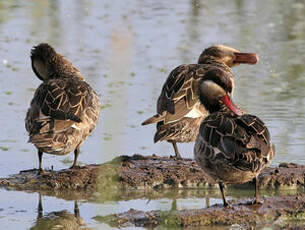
[179, 112]
[231, 147]
[64, 110]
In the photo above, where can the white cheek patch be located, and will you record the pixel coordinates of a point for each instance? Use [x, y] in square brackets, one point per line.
[211, 89]
[40, 68]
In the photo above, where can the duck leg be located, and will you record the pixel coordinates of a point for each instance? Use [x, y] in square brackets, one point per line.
[177, 154]
[76, 210]
[76, 153]
[257, 199]
[225, 203]
[40, 160]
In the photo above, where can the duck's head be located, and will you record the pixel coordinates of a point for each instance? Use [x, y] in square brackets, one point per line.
[41, 57]
[215, 91]
[47, 64]
[226, 55]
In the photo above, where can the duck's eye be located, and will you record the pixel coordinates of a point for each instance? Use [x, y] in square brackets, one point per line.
[219, 98]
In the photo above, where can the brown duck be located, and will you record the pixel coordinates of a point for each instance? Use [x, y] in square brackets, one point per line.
[179, 112]
[64, 110]
[231, 147]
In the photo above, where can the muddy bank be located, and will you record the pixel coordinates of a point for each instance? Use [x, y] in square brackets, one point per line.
[65, 181]
[139, 172]
[275, 210]
[161, 172]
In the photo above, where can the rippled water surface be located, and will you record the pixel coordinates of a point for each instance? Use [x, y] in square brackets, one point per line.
[126, 49]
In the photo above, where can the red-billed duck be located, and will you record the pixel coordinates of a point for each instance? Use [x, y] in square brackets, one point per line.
[231, 147]
[179, 112]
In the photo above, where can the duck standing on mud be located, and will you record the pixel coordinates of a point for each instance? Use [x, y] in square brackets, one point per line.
[64, 110]
[179, 112]
[231, 147]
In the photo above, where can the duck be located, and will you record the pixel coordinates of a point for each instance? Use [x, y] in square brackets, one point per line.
[65, 108]
[232, 147]
[179, 112]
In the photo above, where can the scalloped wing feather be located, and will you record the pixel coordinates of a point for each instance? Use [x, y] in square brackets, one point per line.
[244, 141]
[58, 104]
[63, 99]
[178, 96]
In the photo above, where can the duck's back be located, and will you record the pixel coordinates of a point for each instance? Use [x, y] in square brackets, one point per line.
[179, 110]
[62, 114]
[233, 149]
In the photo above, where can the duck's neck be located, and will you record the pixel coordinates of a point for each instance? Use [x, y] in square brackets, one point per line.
[59, 67]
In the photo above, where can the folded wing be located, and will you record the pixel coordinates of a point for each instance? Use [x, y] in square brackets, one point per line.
[244, 141]
[178, 97]
[57, 105]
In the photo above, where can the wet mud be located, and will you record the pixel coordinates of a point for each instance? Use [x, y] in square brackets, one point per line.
[153, 177]
[142, 172]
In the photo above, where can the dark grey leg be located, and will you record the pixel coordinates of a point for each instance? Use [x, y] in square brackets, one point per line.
[177, 154]
[225, 203]
[76, 153]
[40, 160]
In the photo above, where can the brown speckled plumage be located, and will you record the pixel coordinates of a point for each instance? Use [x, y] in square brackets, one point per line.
[179, 112]
[230, 148]
[64, 109]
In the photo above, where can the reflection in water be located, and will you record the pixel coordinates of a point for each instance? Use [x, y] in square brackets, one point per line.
[58, 219]
[204, 204]
[127, 50]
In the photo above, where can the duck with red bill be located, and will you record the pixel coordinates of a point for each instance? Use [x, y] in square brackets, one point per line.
[230, 149]
[179, 111]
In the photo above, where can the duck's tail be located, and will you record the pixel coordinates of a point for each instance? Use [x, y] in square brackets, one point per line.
[47, 143]
[154, 119]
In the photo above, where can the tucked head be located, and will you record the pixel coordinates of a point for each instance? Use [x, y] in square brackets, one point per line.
[227, 55]
[48, 64]
[41, 56]
[215, 90]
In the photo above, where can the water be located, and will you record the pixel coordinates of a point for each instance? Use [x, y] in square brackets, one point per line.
[126, 49]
